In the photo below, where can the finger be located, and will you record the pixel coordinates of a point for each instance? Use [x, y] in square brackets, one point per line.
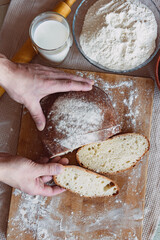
[46, 179]
[59, 74]
[50, 191]
[43, 160]
[67, 76]
[49, 169]
[64, 161]
[55, 160]
[37, 114]
[42, 68]
[68, 85]
[55, 73]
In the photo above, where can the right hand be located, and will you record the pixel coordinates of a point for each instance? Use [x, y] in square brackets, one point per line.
[29, 83]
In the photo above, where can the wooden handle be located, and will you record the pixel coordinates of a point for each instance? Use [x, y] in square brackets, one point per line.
[70, 2]
[63, 9]
[26, 53]
[1, 91]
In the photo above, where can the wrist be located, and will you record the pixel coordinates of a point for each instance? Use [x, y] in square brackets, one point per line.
[2, 170]
[7, 69]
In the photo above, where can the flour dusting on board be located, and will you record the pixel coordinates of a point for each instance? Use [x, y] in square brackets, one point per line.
[71, 217]
[128, 93]
[36, 217]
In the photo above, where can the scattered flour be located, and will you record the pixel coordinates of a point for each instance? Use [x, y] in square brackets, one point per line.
[74, 120]
[133, 111]
[74, 123]
[41, 218]
[119, 35]
[44, 219]
[132, 106]
[78, 121]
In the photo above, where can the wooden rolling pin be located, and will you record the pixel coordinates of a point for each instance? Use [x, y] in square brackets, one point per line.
[26, 53]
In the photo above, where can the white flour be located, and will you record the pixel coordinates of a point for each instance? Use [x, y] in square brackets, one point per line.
[74, 123]
[130, 102]
[78, 120]
[43, 219]
[119, 35]
[62, 217]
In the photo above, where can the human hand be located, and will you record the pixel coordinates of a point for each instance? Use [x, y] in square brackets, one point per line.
[30, 177]
[29, 83]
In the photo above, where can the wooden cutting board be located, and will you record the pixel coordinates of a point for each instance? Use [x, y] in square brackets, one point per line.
[71, 217]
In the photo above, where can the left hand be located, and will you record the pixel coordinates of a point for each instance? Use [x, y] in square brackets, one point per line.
[30, 177]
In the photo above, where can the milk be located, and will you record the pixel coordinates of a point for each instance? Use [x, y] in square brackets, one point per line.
[52, 39]
[50, 35]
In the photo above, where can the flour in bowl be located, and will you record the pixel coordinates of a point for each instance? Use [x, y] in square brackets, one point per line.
[119, 35]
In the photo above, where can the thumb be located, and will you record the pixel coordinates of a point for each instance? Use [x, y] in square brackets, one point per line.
[37, 114]
[50, 169]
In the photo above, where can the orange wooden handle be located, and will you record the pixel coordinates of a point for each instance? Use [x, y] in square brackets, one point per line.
[25, 54]
[70, 2]
[63, 9]
[1, 91]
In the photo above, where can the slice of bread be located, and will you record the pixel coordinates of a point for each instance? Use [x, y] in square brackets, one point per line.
[85, 183]
[116, 154]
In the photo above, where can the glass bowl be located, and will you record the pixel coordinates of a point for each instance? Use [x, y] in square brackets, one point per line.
[158, 72]
[78, 24]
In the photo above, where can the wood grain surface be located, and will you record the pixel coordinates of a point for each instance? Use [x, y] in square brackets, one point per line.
[68, 216]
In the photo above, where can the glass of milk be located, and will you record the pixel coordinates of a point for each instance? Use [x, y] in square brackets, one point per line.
[51, 36]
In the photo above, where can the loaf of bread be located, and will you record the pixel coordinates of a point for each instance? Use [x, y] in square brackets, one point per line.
[85, 183]
[116, 154]
[74, 119]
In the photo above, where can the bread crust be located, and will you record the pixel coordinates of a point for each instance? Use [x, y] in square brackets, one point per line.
[52, 139]
[88, 171]
[113, 173]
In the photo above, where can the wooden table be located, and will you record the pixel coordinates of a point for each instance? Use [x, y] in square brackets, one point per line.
[79, 62]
